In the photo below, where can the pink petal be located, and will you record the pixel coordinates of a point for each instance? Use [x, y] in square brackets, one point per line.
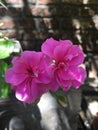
[75, 55]
[79, 75]
[27, 92]
[43, 78]
[19, 68]
[44, 62]
[31, 58]
[27, 57]
[60, 51]
[42, 88]
[14, 78]
[48, 46]
[54, 86]
[15, 59]
[22, 94]
[68, 42]
[64, 84]
[64, 74]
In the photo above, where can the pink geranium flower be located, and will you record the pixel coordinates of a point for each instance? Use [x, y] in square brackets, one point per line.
[29, 76]
[65, 62]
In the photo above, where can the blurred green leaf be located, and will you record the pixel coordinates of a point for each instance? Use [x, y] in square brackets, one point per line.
[4, 87]
[3, 67]
[3, 3]
[61, 98]
[6, 48]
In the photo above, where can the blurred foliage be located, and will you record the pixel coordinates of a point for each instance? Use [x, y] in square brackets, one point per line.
[6, 47]
[3, 2]
[4, 87]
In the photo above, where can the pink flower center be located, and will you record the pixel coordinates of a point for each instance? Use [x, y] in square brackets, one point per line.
[61, 65]
[32, 73]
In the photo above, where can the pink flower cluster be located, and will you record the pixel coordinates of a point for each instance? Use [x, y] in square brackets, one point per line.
[57, 65]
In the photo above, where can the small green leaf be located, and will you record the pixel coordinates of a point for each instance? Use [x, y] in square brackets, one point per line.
[61, 98]
[6, 48]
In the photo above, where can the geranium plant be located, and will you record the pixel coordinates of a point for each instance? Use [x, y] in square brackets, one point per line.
[56, 66]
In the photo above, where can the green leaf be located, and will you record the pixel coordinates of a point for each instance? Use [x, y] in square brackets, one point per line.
[4, 87]
[6, 48]
[3, 67]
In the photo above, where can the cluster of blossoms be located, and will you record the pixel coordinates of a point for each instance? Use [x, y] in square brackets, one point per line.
[56, 66]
